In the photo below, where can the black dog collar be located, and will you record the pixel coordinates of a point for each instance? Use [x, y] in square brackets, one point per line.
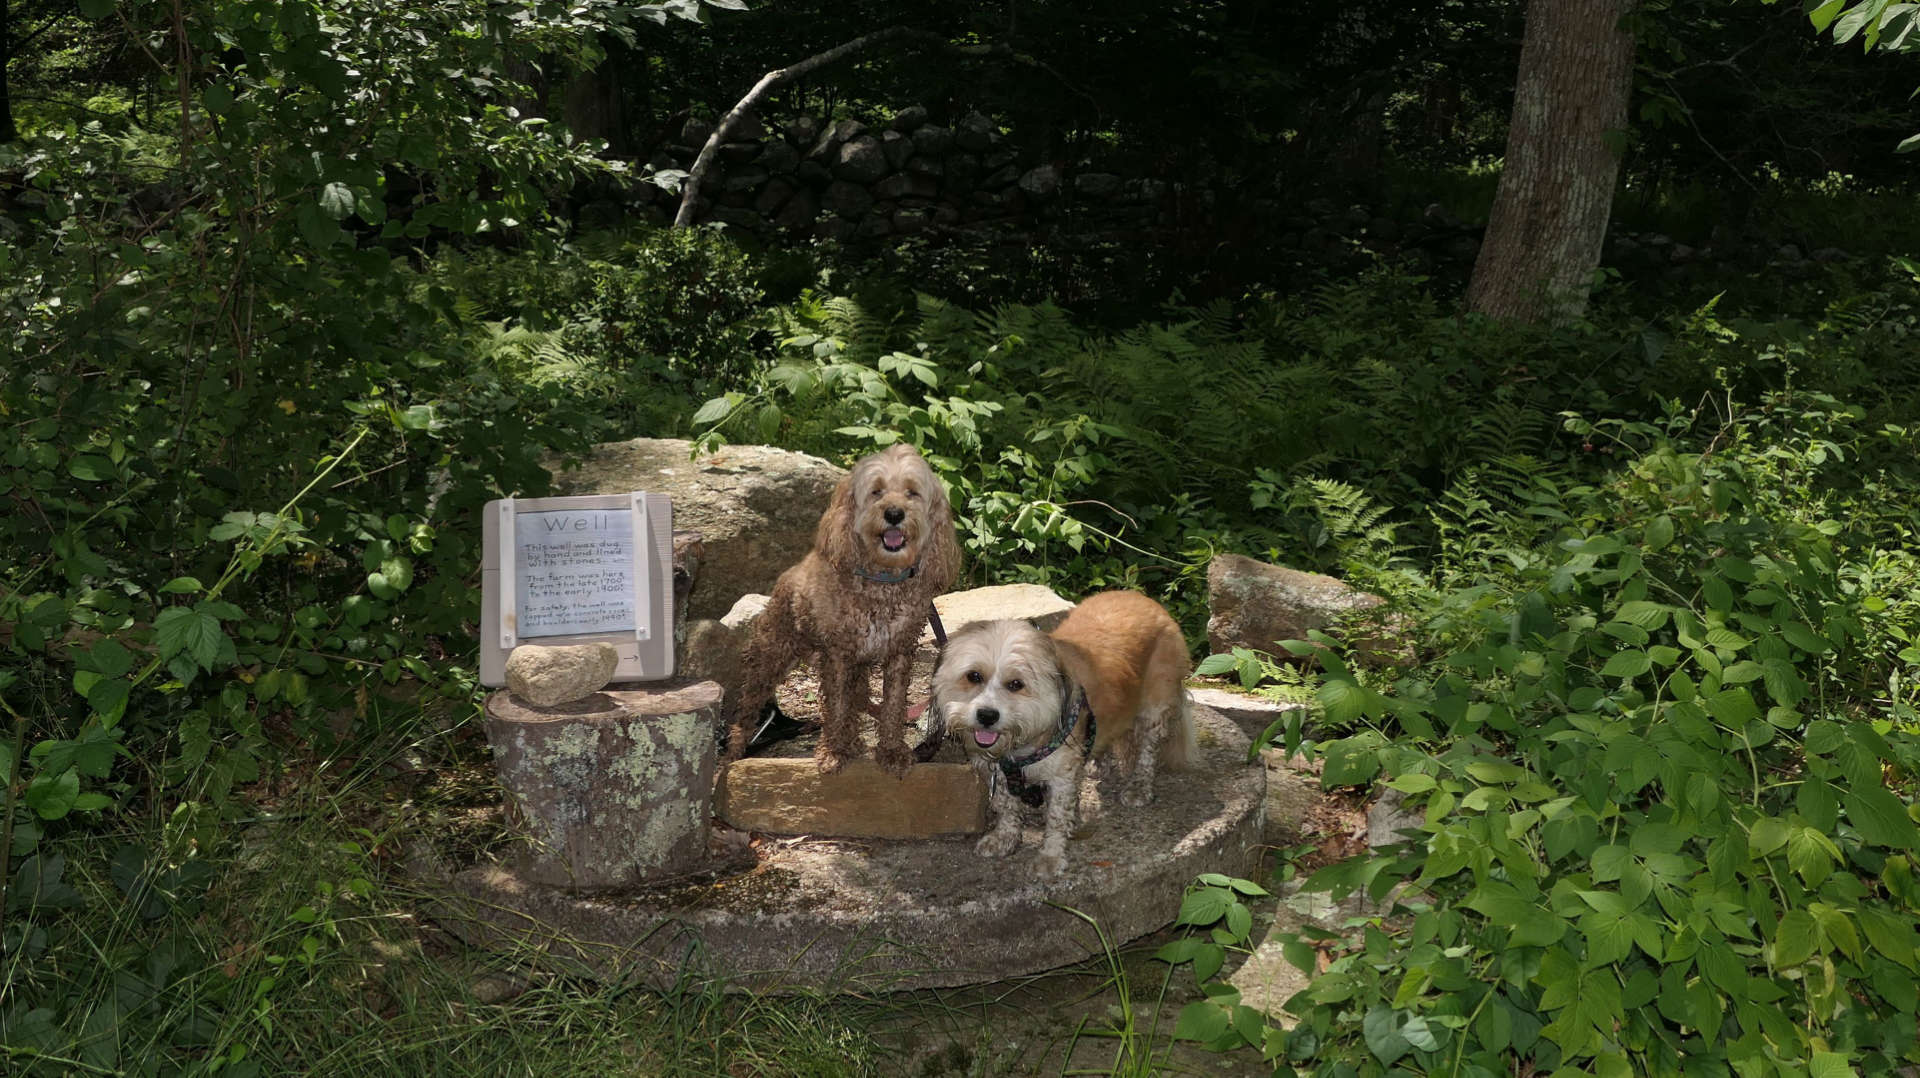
[1072, 705]
[888, 576]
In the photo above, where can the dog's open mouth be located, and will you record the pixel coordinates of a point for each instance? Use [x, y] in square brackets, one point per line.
[985, 738]
[894, 540]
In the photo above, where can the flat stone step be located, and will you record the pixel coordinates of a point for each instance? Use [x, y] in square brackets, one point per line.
[820, 914]
[792, 797]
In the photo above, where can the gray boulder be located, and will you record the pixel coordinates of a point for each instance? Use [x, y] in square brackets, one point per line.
[799, 211]
[897, 147]
[778, 156]
[713, 648]
[933, 139]
[910, 118]
[548, 676]
[773, 196]
[1252, 604]
[861, 160]
[1041, 183]
[849, 200]
[1096, 184]
[756, 507]
[974, 132]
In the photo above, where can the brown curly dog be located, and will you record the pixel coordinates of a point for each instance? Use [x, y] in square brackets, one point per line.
[859, 599]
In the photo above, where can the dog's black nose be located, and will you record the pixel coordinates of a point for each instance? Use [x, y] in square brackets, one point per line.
[895, 516]
[987, 716]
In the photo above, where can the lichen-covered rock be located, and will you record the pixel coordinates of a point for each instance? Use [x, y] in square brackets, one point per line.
[755, 507]
[1252, 604]
[550, 675]
[609, 792]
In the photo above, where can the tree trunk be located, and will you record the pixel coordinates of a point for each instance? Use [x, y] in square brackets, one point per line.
[7, 131]
[1549, 216]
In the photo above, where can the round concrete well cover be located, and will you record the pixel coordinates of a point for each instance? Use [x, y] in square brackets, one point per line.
[876, 915]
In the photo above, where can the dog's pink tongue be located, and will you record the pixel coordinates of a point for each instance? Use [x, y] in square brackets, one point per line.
[985, 737]
[894, 538]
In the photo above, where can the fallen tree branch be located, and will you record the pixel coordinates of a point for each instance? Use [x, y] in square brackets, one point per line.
[690, 186]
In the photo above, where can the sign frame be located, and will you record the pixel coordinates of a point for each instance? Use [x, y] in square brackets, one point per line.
[646, 651]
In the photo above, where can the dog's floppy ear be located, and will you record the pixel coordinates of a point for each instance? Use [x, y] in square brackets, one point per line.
[834, 535]
[941, 560]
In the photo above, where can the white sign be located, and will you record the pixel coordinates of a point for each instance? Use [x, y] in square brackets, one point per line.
[574, 572]
[579, 569]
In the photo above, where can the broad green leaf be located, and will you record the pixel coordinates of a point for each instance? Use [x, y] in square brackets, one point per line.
[1659, 532]
[90, 469]
[1381, 1028]
[319, 230]
[1804, 638]
[1214, 665]
[1496, 771]
[1830, 1065]
[1414, 783]
[1823, 16]
[53, 796]
[1201, 1020]
[108, 658]
[1204, 905]
[1768, 834]
[1627, 664]
[108, 698]
[1178, 951]
[1734, 708]
[1343, 700]
[713, 411]
[1646, 615]
[1350, 761]
[1795, 940]
[336, 200]
[179, 630]
[1879, 816]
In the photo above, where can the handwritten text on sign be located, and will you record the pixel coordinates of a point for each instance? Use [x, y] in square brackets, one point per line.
[574, 572]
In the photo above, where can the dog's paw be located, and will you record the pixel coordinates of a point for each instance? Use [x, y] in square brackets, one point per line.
[997, 843]
[895, 760]
[827, 760]
[1051, 864]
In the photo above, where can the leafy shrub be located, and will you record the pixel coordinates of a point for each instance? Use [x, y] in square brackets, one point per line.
[1665, 765]
[666, 305]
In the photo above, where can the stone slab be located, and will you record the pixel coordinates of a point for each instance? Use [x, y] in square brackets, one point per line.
[878, 915]
[1034, 602]
[1253, 713]
[792, 797]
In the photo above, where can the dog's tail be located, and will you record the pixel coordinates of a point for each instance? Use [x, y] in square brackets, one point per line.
[1181, 749]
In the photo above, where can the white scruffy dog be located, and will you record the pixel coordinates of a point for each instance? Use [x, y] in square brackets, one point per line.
[1026, 704]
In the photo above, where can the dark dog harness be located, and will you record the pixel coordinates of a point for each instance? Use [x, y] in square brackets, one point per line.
[1072, 706]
